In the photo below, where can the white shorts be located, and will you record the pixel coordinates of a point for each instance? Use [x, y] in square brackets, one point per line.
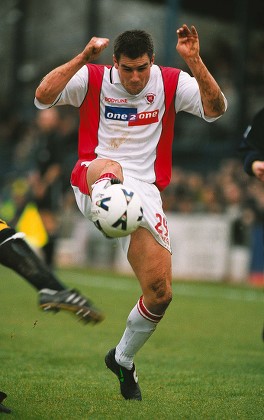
[154, 218]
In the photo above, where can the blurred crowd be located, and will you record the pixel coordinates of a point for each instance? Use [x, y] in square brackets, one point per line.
[35, 165]
[227, 190]
[39, 149]
[38, 154]
[37, 158]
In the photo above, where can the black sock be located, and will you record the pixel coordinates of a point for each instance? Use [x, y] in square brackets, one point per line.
[16, 254]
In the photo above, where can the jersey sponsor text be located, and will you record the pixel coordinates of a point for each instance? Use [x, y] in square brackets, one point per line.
[115, 100]
[144, 118]
[119, 114]
[131, 115]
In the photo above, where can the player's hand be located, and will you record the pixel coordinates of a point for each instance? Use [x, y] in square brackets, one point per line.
[188, 42]
[94, 48]
[258, 169]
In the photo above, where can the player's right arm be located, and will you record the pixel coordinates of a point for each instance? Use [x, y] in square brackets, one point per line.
[55, 81]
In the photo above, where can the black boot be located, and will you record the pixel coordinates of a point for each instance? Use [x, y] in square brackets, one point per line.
[3, 409]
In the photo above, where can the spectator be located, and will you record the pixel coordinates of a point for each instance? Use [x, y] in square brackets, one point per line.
[46, 179]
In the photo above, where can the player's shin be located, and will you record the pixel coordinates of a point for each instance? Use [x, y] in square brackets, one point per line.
[140, 326]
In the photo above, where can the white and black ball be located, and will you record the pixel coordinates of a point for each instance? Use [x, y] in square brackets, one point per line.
[116, 211]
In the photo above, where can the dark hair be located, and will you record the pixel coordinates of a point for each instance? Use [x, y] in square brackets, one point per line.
[133, 44]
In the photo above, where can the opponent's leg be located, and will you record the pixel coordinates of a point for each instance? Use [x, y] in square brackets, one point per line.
[15, 253]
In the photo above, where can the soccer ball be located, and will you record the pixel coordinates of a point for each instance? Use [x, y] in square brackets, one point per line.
[116, 211]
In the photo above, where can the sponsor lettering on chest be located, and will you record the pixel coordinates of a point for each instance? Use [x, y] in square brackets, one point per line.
[131, 116]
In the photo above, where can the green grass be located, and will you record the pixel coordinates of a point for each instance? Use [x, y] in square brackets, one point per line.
[205, 360]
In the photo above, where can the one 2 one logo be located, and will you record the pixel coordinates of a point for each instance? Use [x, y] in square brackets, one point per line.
[131, 115]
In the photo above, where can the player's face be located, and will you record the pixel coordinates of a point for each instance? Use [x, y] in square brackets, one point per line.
[134, 73]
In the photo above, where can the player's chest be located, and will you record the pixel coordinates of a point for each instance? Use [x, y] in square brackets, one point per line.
[143, 109]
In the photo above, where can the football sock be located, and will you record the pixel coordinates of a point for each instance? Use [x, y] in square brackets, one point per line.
[16, 254]
[102, 182]
[140, 325]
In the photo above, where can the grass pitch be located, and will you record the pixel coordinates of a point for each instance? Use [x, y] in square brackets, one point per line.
[205, 360]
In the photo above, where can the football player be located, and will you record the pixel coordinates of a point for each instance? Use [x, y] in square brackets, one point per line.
[127, 115]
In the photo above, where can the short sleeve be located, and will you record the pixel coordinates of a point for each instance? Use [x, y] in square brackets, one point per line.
[73, 93]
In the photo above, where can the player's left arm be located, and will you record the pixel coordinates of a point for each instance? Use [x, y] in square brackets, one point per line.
[213, 100]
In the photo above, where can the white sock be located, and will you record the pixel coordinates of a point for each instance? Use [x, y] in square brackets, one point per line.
[140, 325]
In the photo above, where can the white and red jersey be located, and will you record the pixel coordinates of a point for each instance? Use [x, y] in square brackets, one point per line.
[135, 130]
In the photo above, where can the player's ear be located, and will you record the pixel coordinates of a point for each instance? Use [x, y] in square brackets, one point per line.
[115, 62]
[152, 60]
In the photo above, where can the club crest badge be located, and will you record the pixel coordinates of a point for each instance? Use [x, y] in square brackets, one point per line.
[150, 98]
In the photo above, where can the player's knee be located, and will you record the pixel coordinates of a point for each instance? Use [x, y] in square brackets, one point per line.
[99, 167]
[161, 295]
[115, 168]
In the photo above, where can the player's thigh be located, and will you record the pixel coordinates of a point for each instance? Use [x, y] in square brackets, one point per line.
[151, 263]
